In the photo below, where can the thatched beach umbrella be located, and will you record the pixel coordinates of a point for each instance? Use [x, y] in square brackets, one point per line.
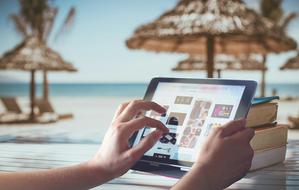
[222, 63]
[291, 64]
[209, 27]
[33, 55]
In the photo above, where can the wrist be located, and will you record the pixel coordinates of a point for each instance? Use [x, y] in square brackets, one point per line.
[204, 171]
[194, 179]
[200, 170]
[97, 173]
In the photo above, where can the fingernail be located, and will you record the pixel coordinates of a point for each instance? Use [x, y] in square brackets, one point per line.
[242, 120]
[163, 114]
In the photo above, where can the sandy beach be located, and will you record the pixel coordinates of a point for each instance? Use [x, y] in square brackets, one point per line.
[92, 116]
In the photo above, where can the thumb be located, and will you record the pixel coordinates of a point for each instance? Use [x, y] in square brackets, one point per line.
[145, 144]
[233, 127]
[246, 135]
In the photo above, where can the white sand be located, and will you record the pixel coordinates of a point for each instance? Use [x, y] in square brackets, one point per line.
[92, 117]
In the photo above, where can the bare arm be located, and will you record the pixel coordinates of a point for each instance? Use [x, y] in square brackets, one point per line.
[82, 176]
[113, 159]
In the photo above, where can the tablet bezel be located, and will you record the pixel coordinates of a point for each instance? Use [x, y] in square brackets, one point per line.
[242, 110]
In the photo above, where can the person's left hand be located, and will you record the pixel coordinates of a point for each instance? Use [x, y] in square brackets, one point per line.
[115, 156]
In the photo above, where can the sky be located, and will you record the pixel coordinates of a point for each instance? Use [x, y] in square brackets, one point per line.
[96, 44]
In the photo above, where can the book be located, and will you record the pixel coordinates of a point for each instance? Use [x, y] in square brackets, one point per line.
[270, 139]
[261, 114]
[265, 158]
[262, 100]
[271, 136]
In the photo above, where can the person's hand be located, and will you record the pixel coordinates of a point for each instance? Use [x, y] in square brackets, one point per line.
[115, 156]
[113, 159]
[227, 154]
[224, 158]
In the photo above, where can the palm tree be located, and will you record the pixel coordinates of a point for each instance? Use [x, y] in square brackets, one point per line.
[272, 10]
[36, 18]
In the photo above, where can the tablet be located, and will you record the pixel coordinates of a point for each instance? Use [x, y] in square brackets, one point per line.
[194, 107]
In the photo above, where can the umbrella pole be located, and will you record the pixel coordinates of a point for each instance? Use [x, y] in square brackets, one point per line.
[263, 82]
[210, 56]
[219, 73]
[32, 96]
[45, 85]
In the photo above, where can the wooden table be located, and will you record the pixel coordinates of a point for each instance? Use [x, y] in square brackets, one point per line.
[27, 157]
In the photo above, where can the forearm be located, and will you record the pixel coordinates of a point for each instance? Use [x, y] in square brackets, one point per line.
[195, 179]
[78, 177]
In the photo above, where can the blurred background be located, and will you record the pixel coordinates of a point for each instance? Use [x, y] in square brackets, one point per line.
[66, 65]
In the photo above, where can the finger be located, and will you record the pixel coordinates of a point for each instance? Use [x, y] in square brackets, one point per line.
[244, 166]
[233, 126]
[247, 165]
[141, 122]
[136, 106]
[120, 109]
[244, 135]
[145, 144]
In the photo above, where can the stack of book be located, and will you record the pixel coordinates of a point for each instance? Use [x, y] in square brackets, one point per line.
[270, 139]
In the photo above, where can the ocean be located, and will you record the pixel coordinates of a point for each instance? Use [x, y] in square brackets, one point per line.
[113, 89]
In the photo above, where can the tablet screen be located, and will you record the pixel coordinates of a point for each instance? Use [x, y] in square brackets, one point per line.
[192, 111]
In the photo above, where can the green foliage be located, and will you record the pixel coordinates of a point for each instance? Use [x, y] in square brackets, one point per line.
[272, 10]
[33, 12]
[36, 17]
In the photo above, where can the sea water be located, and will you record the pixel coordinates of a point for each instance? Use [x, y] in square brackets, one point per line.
[115, 89]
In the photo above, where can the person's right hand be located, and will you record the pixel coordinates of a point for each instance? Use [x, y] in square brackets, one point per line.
[224, 158]
[227, 154]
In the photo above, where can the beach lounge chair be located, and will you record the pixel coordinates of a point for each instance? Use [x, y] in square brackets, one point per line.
[13, 113]
[47, 113]
[294, 122]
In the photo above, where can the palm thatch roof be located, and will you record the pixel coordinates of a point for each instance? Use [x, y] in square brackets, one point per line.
[191, 64]
[32, 54]
[222, 62]
[291, 64]
[236, 29]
